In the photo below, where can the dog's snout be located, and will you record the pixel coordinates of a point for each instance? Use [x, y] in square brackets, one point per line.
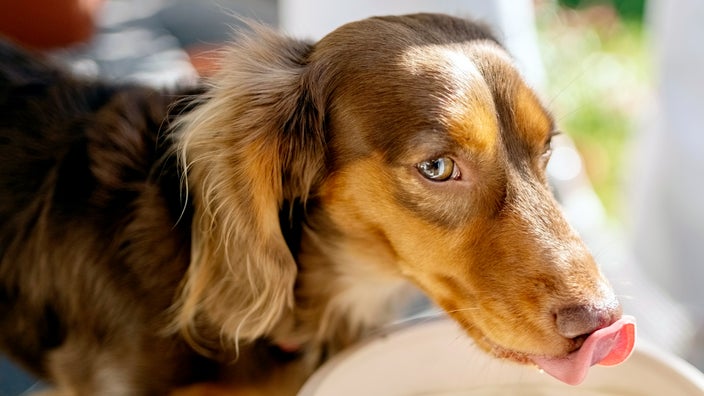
[581, 320]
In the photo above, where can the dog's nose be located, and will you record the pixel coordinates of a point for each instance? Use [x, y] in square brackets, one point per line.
[581, 320]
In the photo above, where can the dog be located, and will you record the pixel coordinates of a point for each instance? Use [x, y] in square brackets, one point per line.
[154, 239]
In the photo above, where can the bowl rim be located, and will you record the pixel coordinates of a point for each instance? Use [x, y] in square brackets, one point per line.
[643, 348]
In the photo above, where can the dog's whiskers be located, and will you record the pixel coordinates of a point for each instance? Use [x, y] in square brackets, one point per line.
[425, 316]
[463, 309]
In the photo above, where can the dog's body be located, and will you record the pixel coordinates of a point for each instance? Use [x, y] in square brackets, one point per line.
[277, 215]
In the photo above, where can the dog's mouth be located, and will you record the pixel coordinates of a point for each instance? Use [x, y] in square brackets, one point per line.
[608, 346]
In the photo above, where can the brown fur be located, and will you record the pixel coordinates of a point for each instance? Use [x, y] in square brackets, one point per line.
[283, 206]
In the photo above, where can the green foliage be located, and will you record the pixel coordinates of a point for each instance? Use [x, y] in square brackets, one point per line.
[598, 85]
[627, 9]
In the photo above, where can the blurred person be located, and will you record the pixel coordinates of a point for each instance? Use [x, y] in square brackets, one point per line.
[667, 216]
[153, 42]
[46, 25]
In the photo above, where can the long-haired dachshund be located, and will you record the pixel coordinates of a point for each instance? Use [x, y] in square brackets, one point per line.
[150, 240]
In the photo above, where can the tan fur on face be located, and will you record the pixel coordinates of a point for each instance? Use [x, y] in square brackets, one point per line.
[531, 119]
[466, 98]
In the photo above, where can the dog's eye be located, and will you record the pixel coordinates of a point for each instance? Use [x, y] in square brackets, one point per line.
[547, 151]
[439, 169]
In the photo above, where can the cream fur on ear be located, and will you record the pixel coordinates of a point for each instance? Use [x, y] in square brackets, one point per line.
[254, 142]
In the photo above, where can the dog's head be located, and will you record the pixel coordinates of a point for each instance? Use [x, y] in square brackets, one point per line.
[416, 132]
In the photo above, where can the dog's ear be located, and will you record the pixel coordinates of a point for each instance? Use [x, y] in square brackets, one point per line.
[253, 143]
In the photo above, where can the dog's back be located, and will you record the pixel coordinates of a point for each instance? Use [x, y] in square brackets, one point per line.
[61, 135]
[86, 182]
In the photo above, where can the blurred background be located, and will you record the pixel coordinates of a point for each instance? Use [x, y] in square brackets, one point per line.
[622, 77]
[599, 74]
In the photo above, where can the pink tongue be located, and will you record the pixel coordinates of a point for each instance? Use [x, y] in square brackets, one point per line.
[608, 346]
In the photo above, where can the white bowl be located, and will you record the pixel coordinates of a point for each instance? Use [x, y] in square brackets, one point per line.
[436, 358]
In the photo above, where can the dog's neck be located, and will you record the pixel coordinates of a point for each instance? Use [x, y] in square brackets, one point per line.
[347, 286]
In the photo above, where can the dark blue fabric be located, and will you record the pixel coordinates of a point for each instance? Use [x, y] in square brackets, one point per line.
[14, 381]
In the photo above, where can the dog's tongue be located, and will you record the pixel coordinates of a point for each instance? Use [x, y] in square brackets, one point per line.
[608, 346]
